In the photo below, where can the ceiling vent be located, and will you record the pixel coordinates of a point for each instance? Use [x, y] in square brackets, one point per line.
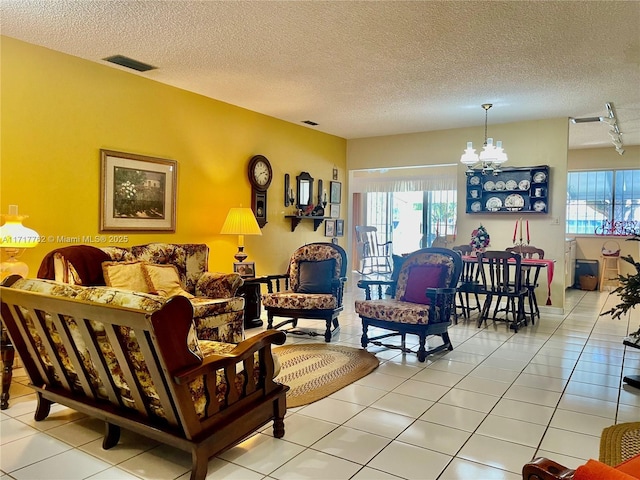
[309, 122]
[129, 63]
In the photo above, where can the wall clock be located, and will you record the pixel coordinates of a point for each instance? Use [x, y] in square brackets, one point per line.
[260, 176]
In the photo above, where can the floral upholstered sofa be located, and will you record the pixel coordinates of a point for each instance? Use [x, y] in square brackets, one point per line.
[218, 311]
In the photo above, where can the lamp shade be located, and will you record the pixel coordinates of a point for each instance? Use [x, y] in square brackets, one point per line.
[241, 221]
[15, 235]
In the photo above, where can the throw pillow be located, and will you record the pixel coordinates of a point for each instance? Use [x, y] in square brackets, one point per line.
[315, 277]
[125, 275]
[420, 278]
[164, 280]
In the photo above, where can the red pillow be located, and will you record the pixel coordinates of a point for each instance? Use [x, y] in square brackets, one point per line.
[630, 467]
[595, 470]
[420, 278]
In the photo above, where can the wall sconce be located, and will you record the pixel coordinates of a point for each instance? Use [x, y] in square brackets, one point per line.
[14, 238]
[289, 198]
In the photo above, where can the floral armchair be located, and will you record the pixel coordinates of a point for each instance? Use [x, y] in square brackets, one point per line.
[312, 288]
[422, 305]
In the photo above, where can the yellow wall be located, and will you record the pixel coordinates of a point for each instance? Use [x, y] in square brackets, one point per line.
[58, 111]
[590, 246]
[543, 142]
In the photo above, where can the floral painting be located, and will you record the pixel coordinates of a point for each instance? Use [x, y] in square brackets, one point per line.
[138, 192]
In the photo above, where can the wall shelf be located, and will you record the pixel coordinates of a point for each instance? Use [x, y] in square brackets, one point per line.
[296, 219]
[513, 190]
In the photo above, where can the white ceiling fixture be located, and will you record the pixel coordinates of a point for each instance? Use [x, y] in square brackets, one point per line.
[491, 157]
[612, 121]
[614, 133]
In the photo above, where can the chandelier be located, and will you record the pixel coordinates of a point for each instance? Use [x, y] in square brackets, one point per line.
[491, 157]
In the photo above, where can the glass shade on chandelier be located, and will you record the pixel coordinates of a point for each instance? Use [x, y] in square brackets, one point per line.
[14, 238]
[490, 158]
[241, 221]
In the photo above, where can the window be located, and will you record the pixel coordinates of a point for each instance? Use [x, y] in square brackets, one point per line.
[603, 202]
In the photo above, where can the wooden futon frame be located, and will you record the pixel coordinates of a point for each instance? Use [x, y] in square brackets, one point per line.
[202, 404]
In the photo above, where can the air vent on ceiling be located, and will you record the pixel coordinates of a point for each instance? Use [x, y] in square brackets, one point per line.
[129, 63]
[309, 122]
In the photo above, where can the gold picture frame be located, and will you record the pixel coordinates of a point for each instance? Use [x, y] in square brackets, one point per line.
[137, 192]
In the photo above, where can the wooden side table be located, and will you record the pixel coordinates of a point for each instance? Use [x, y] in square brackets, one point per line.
[252, 303]
[6, 347]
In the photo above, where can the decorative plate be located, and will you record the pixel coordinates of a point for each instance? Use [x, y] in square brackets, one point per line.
[539, 206]
[494, 204]
[500, 185]
[489, 186]
[514, 202]
[524, 185]
[540, 177]
[511, 185]
[474, 181]
[476, 206]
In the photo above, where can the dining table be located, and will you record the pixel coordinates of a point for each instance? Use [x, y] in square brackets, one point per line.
[528, 262]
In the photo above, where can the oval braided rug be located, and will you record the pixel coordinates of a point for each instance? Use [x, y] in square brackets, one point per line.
[314, 371]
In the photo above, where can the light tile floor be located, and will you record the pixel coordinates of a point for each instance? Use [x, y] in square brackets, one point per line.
[481, 411]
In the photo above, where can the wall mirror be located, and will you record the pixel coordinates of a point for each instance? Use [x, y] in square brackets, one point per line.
[305, 190]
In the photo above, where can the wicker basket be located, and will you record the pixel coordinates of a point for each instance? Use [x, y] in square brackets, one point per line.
[611, 248]
[588, 282]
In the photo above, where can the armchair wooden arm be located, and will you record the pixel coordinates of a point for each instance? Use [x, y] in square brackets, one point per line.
[240, 354]
[375, 286]
[545, 469]
[275, 281]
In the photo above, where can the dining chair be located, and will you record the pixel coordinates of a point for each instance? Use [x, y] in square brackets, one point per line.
[422, 305]
[469, 283]
[530, 275]
[501, 274]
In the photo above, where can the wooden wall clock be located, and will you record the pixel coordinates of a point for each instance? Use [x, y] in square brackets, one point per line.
[260, 176]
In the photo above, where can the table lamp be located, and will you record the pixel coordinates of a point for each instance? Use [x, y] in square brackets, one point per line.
[241, 221]
[14, 238]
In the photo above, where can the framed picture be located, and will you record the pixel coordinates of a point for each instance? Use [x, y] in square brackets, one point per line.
[334, 211]
[339, 228]
[335, 173]
[329, 228]
[245, 269]
[137, 193]
[336, 192]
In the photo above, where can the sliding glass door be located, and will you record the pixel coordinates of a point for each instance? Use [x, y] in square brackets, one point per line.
[412, 220]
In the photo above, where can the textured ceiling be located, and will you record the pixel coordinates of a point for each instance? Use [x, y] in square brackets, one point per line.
[369, 68]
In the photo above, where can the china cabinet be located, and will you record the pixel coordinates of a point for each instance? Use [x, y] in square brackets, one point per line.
[520, 189]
